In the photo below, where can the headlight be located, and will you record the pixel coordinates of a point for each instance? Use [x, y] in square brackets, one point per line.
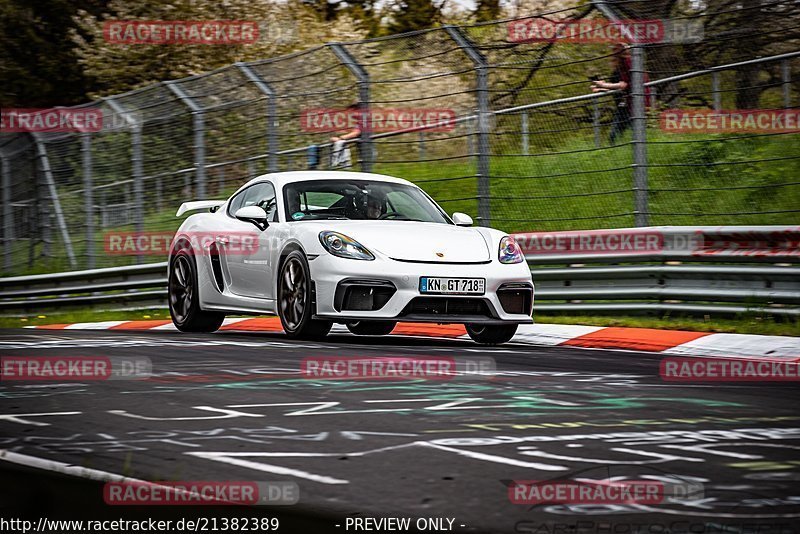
[344, 247]
[510, 251]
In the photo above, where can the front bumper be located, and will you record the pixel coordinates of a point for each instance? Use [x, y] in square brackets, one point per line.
[347, 290]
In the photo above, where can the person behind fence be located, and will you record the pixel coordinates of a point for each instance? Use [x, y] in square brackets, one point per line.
[340, 153]
[620, 80]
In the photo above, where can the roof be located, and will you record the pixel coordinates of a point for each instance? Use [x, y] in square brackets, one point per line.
[279, 179]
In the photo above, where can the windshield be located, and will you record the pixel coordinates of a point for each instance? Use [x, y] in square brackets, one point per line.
[360, 200]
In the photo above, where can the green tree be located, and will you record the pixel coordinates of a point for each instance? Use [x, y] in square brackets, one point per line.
[284, 27]
[411, 15]
[487, 10]
[38, 67]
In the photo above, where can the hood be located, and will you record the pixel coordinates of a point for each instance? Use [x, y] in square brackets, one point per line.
[417, 241]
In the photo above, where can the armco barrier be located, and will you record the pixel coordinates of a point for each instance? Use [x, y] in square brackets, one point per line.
[723, 270]
[714, 270]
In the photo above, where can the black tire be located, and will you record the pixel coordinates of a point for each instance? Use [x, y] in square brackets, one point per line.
[371, 328]
[295, 302]
[184, 297]
[491, 334]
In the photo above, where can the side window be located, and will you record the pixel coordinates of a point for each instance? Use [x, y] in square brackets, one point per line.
[262, 194]
[235, 203]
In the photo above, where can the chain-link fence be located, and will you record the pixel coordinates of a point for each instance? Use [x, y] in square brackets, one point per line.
[527, 145]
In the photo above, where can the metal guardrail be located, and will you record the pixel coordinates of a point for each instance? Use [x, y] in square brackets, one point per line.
[709, 270]
[140, 284]
[691, 270]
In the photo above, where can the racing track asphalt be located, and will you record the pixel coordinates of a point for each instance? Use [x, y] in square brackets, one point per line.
[409, 448]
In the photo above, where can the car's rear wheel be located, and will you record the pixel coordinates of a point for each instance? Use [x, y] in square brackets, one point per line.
[371, 328]
[491, 334]
[184, 298]
[295, 303]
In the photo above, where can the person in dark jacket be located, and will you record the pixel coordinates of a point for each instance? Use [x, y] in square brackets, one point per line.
[620, 80]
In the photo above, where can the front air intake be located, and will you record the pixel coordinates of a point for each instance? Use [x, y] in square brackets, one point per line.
[516, 298]
[363, 295]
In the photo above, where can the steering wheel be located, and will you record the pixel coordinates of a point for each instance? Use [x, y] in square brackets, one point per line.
[390, 214]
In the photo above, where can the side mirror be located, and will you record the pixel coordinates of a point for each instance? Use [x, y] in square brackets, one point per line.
[462, 219]
[253, 214]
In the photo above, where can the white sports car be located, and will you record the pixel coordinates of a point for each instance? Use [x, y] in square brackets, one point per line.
[362, 249]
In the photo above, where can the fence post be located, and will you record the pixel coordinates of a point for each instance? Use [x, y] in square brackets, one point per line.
[639, 119]
[44, 165]
[786, 77]
[524, 128]
[199, 127]
[347, 59]
[88, 197]
[482, 88]
[136, 165]
[715, 94]
[421, 145]
[8, 215]
[272, 139]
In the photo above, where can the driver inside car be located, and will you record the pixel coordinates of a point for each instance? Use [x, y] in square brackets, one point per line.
[374, 207]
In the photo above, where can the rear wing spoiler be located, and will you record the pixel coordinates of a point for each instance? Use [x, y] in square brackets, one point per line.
[199, 205]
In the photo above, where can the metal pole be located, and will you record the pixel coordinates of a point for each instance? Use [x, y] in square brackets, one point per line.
[136, 167]
[272, 134]
[138, 186]
[596, 121]
[362, 76]
[525, 140]
[716, 95]
[200, 152]
[8, 215]
[272, 137]
[88, 197]
[44, 162]
[639, 120]
[199, 126]
[786, 76]
[421, 145]
[482, 88]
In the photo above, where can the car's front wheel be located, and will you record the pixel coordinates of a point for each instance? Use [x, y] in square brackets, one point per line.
[295, 306]
[491, 334]
[371, 328]
[184, 298]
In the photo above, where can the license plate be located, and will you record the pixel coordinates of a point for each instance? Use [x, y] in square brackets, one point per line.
[452, 286]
